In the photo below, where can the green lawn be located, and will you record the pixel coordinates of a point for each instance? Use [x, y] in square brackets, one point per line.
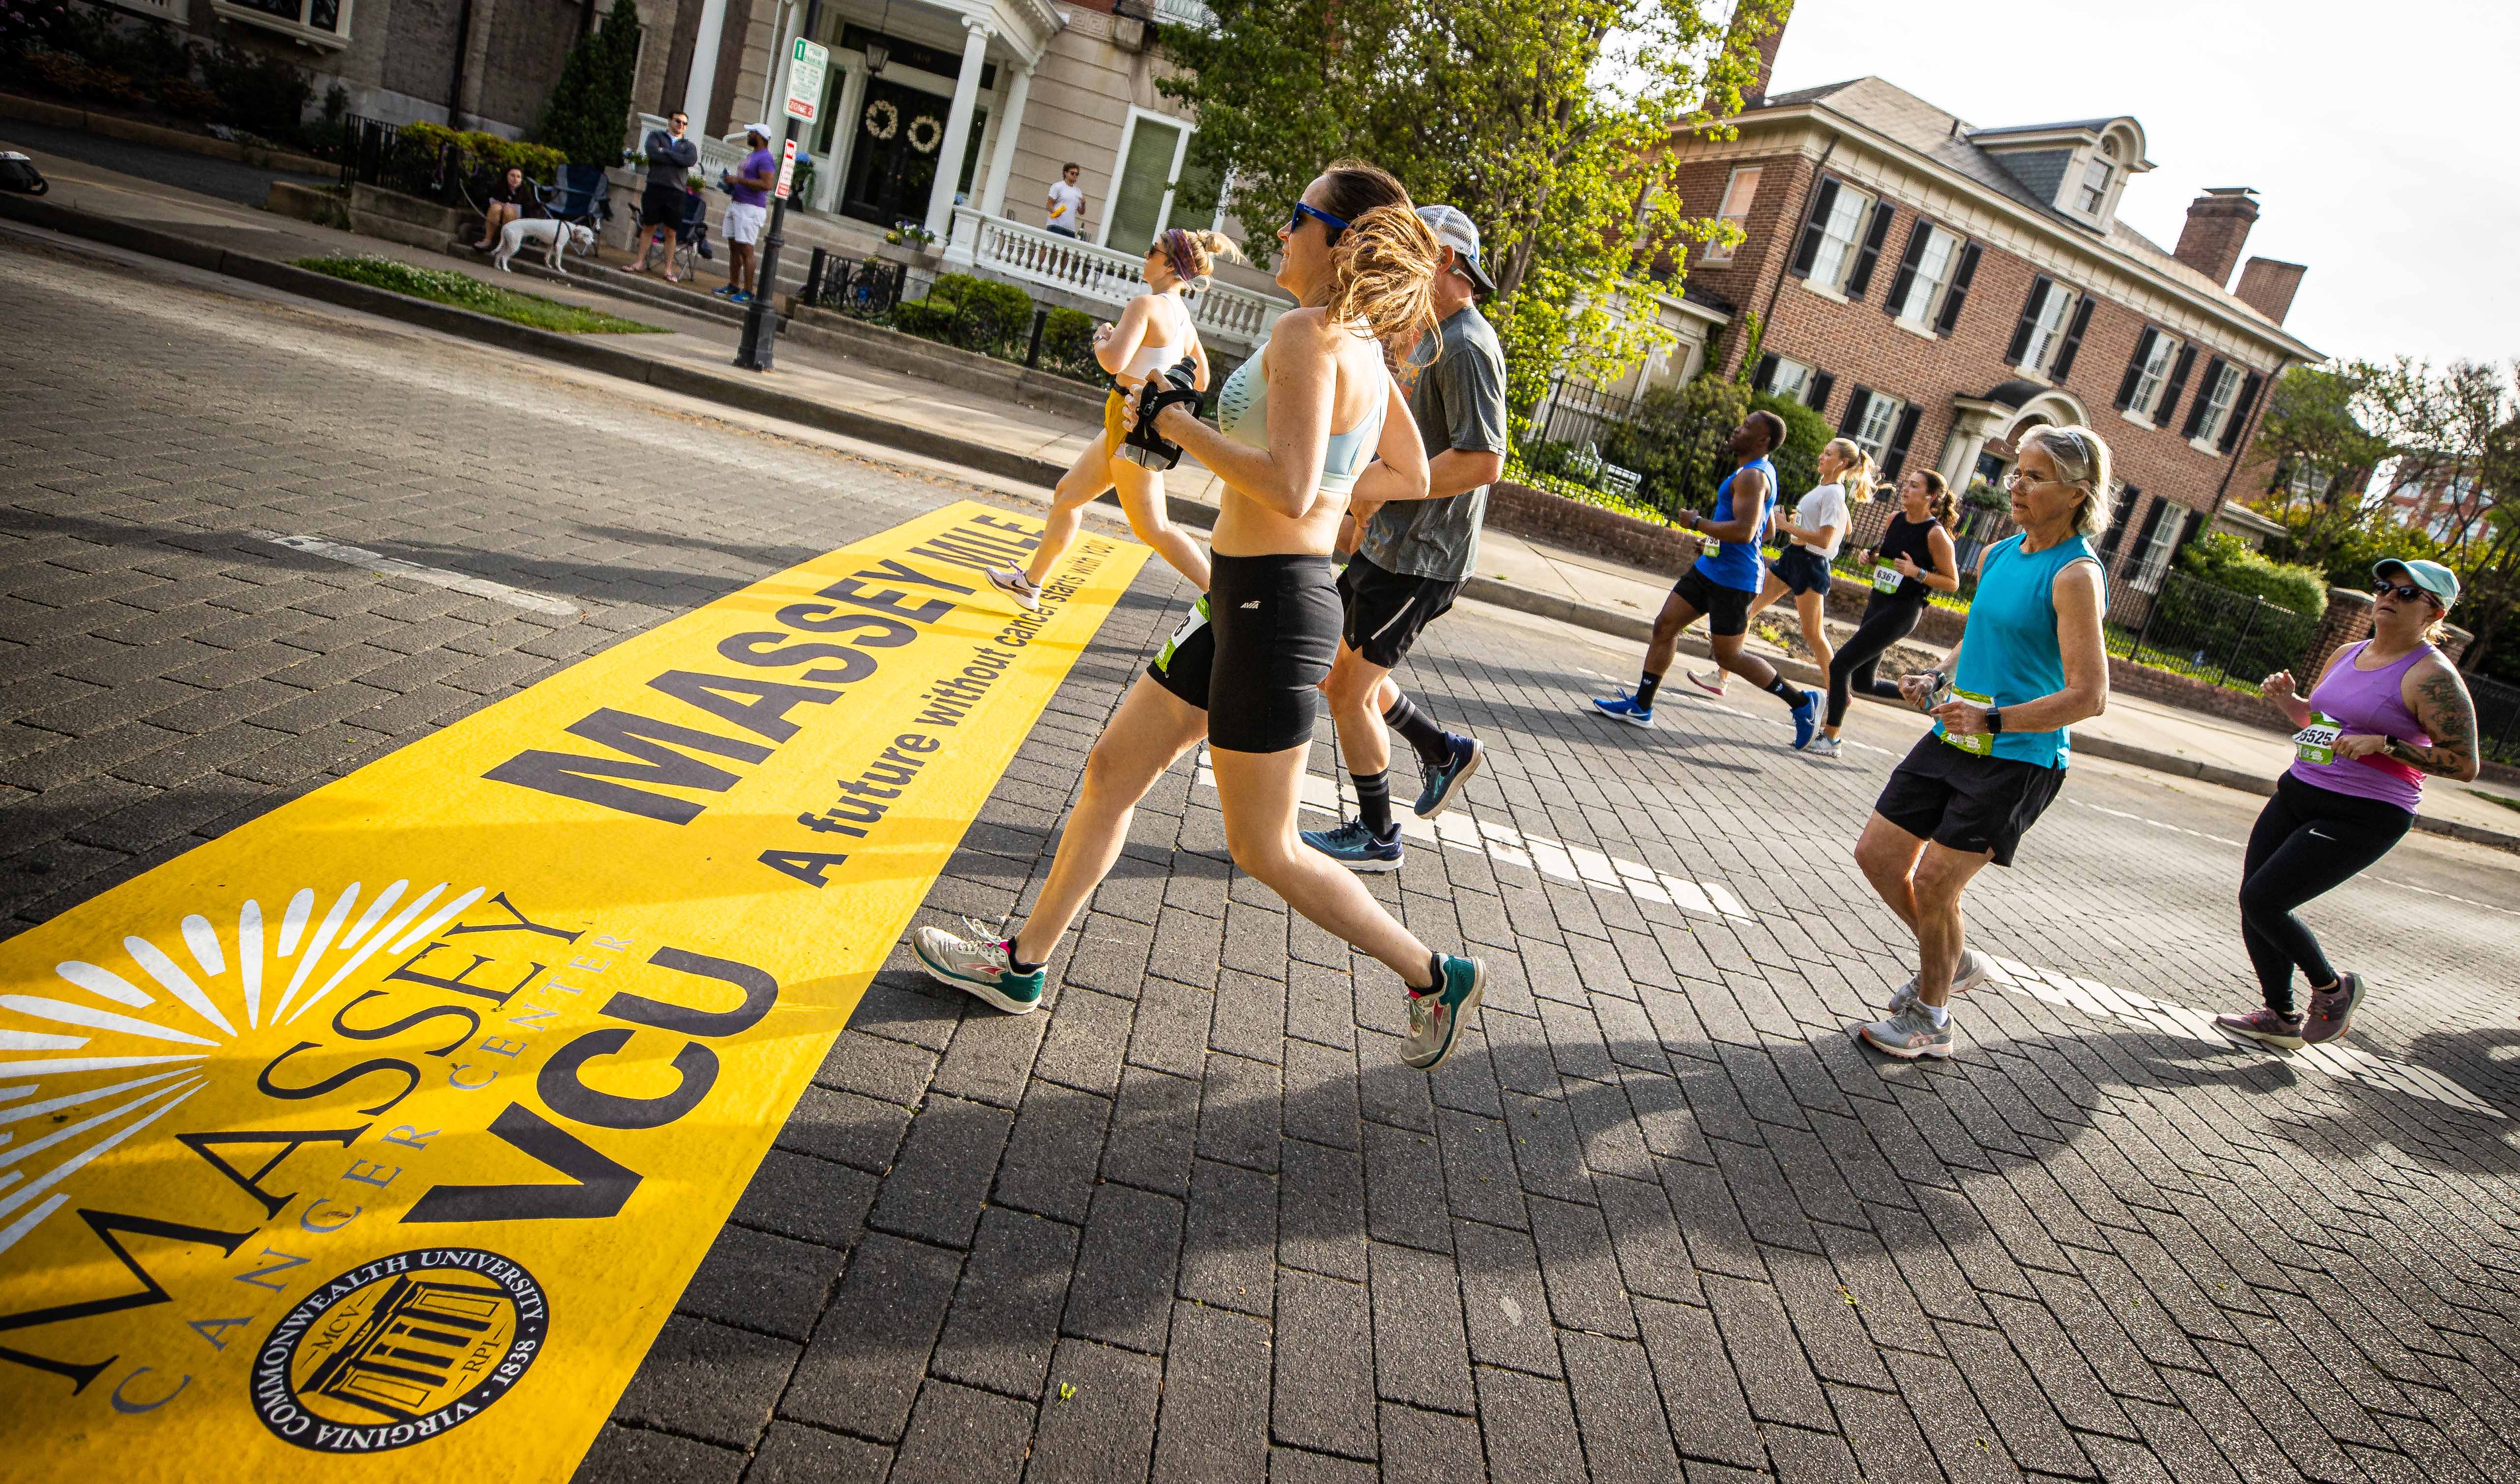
[464, 291]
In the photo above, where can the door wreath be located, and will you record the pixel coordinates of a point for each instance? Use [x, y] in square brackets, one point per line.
[883, 120]
[925, 134]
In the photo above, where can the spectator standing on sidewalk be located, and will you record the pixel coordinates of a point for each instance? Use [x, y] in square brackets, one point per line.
[671, 158]
[2028, 666]
[1066, 202]
[1412, 557]
[750, 189]
[2385, 712]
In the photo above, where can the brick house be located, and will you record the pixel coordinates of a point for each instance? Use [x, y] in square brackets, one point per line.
[1935, 289]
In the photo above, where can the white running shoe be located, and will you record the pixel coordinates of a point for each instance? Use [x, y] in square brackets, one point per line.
[1016, 585]
[1821, 746]
[1712, 684]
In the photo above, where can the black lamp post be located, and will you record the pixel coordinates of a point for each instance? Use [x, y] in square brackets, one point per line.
[760, 328]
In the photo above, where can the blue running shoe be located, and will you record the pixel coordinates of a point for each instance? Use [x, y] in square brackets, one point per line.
[1806, 719]
[1436, 1017]
[1624, 707]
[1444, 783]
[1356, 847]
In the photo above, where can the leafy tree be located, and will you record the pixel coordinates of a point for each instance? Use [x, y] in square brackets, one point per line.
[589, 108]
[1544, 121]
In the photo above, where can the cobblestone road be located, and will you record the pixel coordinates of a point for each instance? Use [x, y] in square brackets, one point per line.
[1196, 1222]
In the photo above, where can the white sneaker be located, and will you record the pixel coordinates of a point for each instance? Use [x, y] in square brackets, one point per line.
[1016, 585]
[1712, 683]
[1821, 746]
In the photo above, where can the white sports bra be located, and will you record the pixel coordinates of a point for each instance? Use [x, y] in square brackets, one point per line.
[1242, 414]
[1152, 357]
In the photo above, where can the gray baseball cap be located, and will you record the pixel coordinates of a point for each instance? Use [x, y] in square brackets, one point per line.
[1453, 228]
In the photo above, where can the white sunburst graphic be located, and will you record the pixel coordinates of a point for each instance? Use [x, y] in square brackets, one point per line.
[120, 1048]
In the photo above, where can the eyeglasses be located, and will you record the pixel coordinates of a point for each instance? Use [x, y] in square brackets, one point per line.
[2406, 591]
[1295, 221]
[2014, 477]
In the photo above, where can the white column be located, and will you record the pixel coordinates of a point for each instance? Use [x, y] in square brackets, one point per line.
[958, 126]
[705, 55]
[1002, 163]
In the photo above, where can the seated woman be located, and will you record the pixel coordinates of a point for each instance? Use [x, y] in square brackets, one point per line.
[512, 197]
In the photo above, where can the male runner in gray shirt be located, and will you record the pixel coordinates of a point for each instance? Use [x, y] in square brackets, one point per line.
[1413, 557]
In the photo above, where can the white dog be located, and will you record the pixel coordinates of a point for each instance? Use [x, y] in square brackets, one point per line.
[555, 235]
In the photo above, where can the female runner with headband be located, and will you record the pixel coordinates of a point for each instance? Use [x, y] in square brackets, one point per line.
[1152, 333]
[1299, 422]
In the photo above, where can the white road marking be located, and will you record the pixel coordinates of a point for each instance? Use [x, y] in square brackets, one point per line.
[2333, 1059]
[394, 566]
[1574, 864]
[2243, 845]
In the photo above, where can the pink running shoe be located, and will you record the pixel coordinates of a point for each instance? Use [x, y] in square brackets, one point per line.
[2267, 1027]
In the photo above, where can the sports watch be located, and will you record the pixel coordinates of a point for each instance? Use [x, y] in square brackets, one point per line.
[1994, 720]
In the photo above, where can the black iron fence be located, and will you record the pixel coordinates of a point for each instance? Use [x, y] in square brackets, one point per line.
[2206, 632]
[2497, 718]
[861, 287]
[1577, 411]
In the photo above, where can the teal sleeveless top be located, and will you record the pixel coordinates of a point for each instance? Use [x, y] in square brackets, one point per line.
[2009, 649]
[1242, 414]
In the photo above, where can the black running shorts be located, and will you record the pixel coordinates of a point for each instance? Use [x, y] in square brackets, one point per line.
[1726, 609]
[1385, 610]
[1182, 664]
[1801, 570]
[1969, 803]
[1276, 622]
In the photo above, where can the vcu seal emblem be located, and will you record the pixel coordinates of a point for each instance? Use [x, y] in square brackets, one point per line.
[399, 1350]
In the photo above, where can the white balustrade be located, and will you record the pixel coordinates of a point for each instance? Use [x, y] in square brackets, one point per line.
[1025, 255]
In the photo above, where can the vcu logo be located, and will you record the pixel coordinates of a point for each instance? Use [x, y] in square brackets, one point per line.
[399, 1350]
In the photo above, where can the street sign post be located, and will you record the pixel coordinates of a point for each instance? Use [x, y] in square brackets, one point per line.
[806, 68]
[787, 166]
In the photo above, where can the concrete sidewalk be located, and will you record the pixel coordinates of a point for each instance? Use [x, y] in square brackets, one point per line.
[924, 416]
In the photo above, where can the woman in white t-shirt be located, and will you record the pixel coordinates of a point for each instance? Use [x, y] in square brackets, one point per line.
[1812, 538]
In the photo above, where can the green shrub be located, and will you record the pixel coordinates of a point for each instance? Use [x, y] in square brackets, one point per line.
[417, 146]
[259, 94]
[589, 108]
[2227, 561]
[1557, 461]
[1569, 489]
[1067, 345]
[973, 313]
[1677, 440]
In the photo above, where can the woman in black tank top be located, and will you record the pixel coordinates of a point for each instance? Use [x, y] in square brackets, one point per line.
[1915, 559]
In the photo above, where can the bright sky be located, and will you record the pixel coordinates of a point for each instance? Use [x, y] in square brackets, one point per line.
[2377, 139]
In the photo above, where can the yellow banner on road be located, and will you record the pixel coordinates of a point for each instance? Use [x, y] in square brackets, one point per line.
[376, 1139]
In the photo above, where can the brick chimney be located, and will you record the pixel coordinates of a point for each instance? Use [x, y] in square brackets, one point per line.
[1749, 14]
[2268, 286]
[2218, 227]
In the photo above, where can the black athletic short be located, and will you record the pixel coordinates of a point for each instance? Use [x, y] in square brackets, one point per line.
[1801, 570]
[663, 206]
[1274, 622]
[1967, 802]
[1726, 609]
[1181, 667]
[1385, 610]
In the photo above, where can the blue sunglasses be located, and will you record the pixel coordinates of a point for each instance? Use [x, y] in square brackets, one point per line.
[1295, 222]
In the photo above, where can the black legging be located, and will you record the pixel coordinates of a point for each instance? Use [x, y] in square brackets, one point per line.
[1887, 619]
[2307, 841]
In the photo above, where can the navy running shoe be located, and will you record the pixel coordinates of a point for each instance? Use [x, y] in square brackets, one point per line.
[1444, 783]
[1358, 848]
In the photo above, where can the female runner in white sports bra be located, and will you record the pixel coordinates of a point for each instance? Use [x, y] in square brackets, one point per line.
[1300, 422]
[1153, 334]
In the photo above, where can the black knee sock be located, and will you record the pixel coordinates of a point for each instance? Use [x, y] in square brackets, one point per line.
[1783, 690]
[1374, 800]
[1645, 688]
[1419, 730]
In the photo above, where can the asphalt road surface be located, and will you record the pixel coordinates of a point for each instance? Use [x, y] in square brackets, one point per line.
[1195, 1221]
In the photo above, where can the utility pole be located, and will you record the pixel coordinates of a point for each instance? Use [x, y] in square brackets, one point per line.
[760, 327]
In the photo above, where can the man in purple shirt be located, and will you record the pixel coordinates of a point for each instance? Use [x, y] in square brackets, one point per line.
[745, 214]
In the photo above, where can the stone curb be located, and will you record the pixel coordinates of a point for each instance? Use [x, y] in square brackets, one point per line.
[752, 397]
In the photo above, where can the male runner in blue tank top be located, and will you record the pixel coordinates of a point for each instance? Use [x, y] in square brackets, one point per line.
[1721, 584]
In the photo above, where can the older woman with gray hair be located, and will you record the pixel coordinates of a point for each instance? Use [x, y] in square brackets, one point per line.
[2028, 666]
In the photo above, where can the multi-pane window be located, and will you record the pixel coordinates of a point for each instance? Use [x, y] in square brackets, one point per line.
[2094, 194]
[1933, 270]
[1839, 237]
[2153, 375]
[2218, 396]
[1734, 214]
[2048, 330]
[2310, 483]
[1790, 379]
[2163, 546]
[1871, 431]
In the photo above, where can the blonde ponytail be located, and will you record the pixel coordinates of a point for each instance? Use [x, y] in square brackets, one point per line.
[1382, 277]
[1194, 255]
[1855, 477]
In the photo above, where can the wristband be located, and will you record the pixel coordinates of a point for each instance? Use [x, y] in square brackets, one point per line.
[1158, 393]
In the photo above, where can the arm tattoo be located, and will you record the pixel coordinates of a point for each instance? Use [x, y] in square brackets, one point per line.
[2450, 717]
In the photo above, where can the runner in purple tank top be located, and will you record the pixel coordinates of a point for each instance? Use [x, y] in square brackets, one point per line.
[2387, 711]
